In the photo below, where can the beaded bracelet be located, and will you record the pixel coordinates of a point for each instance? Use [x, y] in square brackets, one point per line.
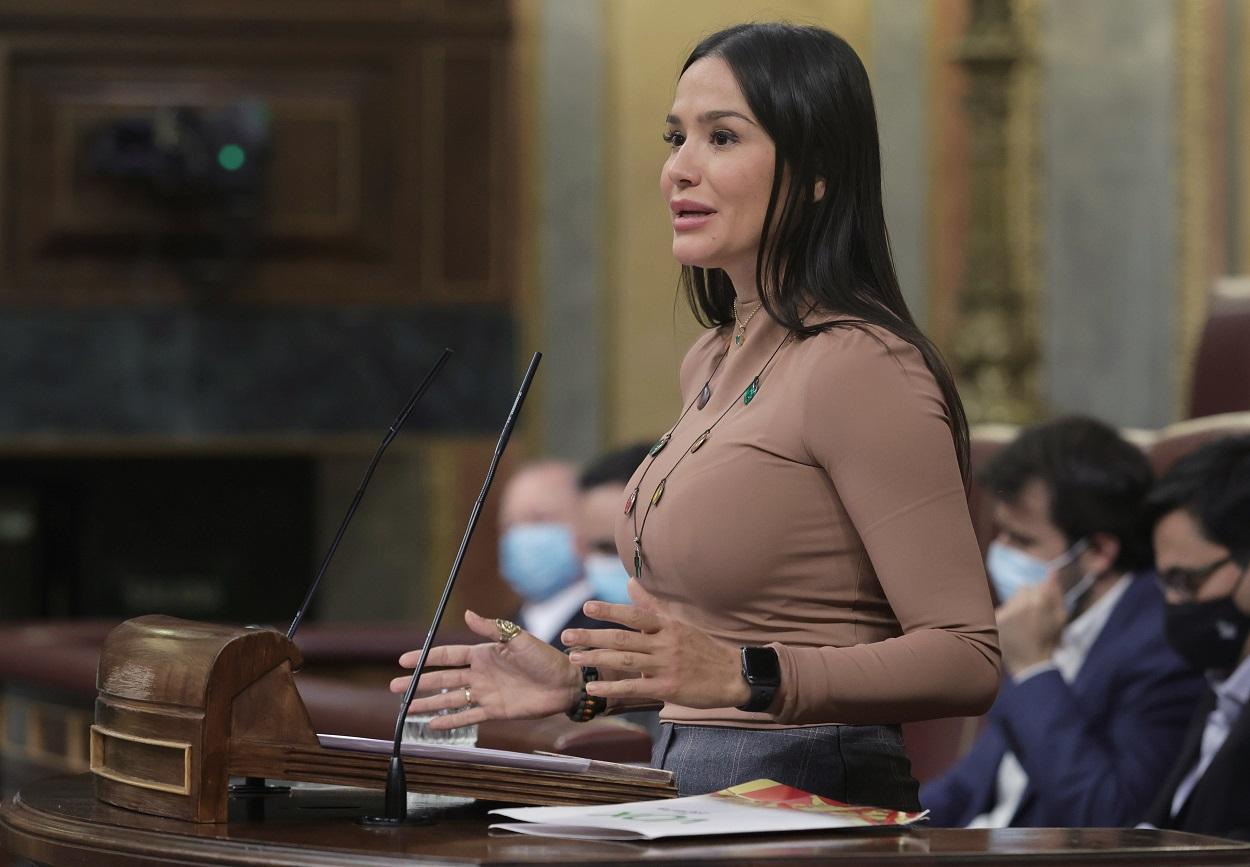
[588, 706]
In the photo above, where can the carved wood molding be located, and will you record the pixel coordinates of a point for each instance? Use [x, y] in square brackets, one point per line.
[996, 343]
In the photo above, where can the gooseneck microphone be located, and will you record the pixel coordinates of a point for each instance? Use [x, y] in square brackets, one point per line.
[396, 782]
[364, 483]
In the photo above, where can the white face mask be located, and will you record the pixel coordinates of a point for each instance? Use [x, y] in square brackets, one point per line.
[1012, 570]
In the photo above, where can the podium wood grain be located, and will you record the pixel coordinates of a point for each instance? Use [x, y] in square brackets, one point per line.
[183, 706]
[60, 822]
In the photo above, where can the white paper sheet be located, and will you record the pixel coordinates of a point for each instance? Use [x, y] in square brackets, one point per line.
[757, 807]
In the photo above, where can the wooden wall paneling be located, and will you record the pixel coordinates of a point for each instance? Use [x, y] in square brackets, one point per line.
[328, 222]
[455, 472]
[469, 198]
[390, 178]
[432, 180]
[441, 16]
[7, 169]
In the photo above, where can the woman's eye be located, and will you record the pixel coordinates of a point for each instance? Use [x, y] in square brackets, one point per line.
[722, 137]
[674, 139]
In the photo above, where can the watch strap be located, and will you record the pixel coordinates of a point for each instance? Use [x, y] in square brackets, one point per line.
[763, 690]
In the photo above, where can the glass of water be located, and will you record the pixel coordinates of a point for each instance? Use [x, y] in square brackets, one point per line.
[417, 731]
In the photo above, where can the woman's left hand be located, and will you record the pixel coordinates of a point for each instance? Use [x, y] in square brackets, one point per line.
[665, 659]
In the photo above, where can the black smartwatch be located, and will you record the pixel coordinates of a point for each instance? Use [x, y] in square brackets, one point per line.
[762, 672]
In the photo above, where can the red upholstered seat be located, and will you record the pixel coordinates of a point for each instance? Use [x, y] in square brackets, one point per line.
[1180, 439]
[1221, 378]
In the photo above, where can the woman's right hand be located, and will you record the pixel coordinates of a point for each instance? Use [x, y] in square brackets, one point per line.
[522, 679]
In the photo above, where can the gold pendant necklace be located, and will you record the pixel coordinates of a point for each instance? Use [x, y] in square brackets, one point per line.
[740, 333]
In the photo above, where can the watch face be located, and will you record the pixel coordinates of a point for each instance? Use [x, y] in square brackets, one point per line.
[761, 664]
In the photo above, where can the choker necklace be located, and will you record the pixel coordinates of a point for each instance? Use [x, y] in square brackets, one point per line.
[631, 500]
[740, 333]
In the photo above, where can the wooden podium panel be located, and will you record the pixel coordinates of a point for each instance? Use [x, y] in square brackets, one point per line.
[184, 706]
[60, 822]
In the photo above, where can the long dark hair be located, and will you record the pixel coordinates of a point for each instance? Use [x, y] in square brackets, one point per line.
[810, 92]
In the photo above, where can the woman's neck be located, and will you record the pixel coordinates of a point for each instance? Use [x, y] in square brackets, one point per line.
[746, 290]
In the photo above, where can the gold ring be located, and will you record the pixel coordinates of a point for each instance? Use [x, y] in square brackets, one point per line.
[468, 695]
[507, 630]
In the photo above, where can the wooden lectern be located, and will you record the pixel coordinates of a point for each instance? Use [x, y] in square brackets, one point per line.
[183, 706]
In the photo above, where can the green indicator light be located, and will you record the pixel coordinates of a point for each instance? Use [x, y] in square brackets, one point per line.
[231, 157]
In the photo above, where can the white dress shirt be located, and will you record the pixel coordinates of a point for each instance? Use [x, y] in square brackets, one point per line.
[1231, 695]
[544, 619]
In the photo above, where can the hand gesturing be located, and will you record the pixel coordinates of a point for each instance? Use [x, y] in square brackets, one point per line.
[664, 659]
[522, 679]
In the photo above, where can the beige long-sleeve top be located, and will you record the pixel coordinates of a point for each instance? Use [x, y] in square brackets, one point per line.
[827, 519]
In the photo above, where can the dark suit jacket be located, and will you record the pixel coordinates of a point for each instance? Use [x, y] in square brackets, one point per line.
[1220, 804]
[1095, 751]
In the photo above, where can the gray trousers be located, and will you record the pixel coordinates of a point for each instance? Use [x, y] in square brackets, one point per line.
[864, 765]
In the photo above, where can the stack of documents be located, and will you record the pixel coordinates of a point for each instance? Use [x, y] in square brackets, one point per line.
[760, 806]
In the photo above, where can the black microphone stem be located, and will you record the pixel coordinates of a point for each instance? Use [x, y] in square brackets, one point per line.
[396, 783]
[364, 483]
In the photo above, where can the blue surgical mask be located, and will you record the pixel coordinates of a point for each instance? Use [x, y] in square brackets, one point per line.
[538, 560]
[1012, 570]
[608, 579]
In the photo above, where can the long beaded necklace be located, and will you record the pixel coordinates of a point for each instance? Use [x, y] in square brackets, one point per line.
[748, 394]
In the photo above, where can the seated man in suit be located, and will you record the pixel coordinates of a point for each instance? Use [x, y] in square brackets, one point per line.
[539, 553]
[1202, 547]
[1090, 715]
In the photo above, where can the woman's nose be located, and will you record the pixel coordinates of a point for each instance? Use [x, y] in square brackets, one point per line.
[683, 168]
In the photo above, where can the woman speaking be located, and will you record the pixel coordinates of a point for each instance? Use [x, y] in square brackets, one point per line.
[805, 572]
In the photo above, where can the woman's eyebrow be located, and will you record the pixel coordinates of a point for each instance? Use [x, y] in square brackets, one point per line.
[709, 116]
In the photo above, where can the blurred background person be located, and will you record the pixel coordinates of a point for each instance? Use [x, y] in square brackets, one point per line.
[1202, 547]
[602, 485]
[539, 553]
[1088, 719]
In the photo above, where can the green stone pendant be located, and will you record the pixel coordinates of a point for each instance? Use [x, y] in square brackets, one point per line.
[660, 444]
[659, 492]
[752, 390]
[698, 444]
[738, 339]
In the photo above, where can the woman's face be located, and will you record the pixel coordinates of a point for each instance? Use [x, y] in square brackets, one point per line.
[719, 173]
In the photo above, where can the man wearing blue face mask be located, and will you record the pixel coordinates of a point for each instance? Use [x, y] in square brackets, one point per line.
[539, 553]
[1089, 718]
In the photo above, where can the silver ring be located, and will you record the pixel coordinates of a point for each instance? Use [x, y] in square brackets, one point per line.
[468, 695]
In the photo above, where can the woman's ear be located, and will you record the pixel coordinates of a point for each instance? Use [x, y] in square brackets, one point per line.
[818, 192]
